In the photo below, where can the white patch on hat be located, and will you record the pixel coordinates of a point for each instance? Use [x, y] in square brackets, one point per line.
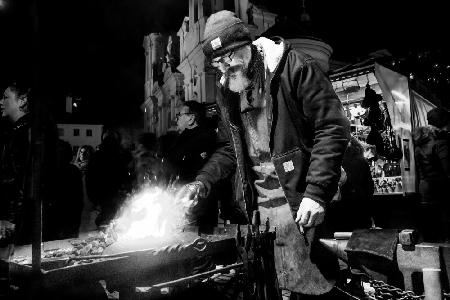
[216, 43]
[288, 166]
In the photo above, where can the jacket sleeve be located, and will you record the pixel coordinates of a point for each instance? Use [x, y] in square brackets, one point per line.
[222, 162]
[331, 130]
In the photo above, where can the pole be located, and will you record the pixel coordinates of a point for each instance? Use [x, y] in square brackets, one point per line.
[37, 146]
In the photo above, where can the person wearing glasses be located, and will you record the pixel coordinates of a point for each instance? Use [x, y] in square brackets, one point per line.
[191, 150]
[283, 128]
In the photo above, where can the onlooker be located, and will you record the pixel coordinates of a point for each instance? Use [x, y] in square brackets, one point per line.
[353, 209]
[15, 206]
[67, 199]
[439, 118]
[16, 180]
[84, 153]
[433, 168]
[107, 177]
[88, 213]
[190, 152]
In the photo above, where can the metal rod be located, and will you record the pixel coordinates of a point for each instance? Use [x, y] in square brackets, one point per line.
[189, 278]
[87, 257]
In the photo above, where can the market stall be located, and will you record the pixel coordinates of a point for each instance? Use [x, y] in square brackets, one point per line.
[383, 111]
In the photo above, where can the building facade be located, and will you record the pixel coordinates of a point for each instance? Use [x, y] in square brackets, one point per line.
[78, 135]
[176, 69]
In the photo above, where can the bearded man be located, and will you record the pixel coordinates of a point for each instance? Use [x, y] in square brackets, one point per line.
[283, 128]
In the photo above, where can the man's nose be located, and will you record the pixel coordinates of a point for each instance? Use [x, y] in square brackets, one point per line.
[223, 68]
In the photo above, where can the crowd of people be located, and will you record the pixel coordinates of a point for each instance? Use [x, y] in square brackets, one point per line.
[282, 147]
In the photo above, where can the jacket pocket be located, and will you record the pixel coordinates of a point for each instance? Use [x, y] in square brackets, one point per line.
[291, 168]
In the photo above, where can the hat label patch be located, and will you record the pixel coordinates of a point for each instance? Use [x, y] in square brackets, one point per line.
[288, 166]
[216, 43]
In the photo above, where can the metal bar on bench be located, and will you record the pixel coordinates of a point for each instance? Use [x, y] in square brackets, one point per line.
[196, 276]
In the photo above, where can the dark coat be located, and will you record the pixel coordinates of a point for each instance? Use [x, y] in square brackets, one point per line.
[353, 210]
[308, 136]
[108, 179]
[191, 151]
[433, 165]
[15, 206]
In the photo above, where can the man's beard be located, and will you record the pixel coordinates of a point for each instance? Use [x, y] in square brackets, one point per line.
[238, 81]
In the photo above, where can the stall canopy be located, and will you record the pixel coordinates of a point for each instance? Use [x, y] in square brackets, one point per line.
[407, 110]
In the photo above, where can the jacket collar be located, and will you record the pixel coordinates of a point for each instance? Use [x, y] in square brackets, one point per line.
[271, 50]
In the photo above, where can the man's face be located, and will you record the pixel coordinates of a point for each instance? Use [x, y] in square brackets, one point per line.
[10, 103]
[184, 119]
[233, 66]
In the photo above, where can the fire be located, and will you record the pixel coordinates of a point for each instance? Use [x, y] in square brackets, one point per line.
[152, 212]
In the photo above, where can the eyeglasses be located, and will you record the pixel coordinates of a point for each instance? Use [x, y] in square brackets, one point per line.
[224, 59]
[178, 115]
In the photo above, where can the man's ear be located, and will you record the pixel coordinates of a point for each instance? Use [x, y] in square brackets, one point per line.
[23, 101]
[192, 119]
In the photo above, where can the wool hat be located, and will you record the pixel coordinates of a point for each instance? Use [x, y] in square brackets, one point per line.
[223, 33]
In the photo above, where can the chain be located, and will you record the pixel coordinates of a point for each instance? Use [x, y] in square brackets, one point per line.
[384, 291]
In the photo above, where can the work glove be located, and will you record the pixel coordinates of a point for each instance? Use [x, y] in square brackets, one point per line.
[191, 192]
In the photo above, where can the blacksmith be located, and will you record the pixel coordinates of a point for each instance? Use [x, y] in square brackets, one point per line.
[283, 127]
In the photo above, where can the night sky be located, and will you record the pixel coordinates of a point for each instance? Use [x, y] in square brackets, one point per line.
[93, 48]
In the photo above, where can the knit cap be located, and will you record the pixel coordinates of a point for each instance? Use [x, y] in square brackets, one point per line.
[224, 32]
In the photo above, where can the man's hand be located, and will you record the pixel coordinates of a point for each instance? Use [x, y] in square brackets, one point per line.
[310, 213]
[190, 192]
[4, 227]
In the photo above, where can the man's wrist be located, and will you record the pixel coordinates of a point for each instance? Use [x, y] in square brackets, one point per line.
[200, 187]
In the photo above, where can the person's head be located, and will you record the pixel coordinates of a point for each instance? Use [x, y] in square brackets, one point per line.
[423, 134]
[438, 117]
[111, 136]
[14, 103]
[354, 147]
[191, 115]
[227, 44]
[84, 153]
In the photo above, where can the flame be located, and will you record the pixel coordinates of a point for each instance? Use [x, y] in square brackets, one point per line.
[152, 212]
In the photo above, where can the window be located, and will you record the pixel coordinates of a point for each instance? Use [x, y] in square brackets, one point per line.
[76, 132]
[195, 10]
[88, 132]
[60, 131]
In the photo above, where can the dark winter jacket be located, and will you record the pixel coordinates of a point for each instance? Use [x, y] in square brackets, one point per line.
[433, 164]
[307, 128]
[13, 166]
[308, 136]
[191, 151]
[15, 203]
[353, 210]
